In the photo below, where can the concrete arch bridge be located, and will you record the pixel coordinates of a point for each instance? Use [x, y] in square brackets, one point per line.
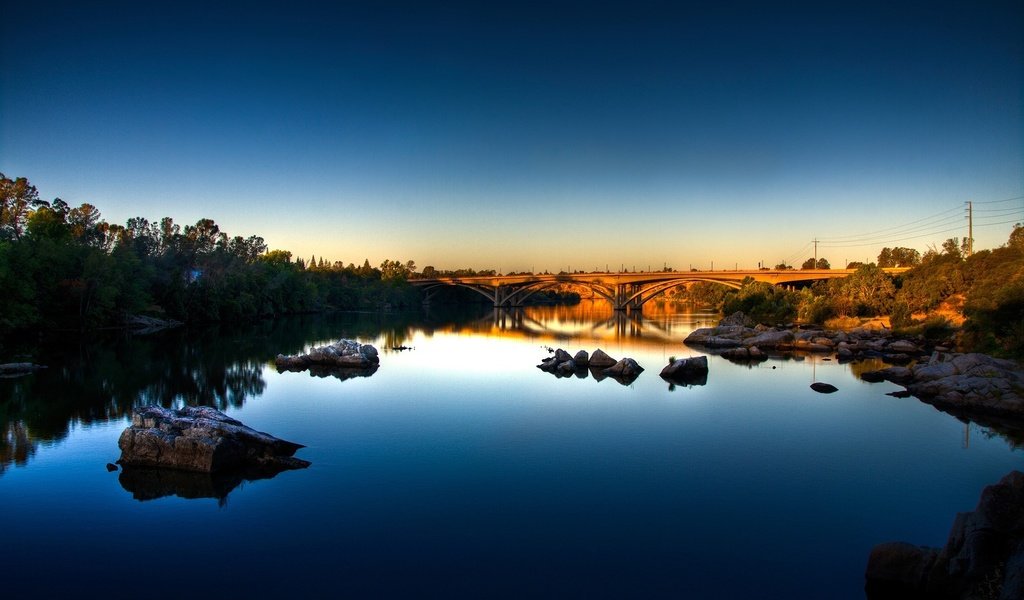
[625, 291]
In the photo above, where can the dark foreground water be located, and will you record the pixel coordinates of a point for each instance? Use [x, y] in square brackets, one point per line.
[460, 469]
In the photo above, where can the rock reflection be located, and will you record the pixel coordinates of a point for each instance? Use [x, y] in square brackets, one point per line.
[150, 483]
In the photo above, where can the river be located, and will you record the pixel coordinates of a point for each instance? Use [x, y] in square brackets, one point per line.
[460, 469]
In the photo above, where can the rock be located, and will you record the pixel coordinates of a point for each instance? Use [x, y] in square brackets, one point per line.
[582, 359]
[202, 439]
[983, 557]
[686, 367]
[141, 325]
[19, 369]
[872, 376]
[561, 355]
[687, 371]
[626, 367]
[601, 360]
[566, 368]
[904, 347]
[898, 569]
[111, 467]
[824, 388]
[549, 365]
[899, 375]
[343, 354]
[771, 339]
[741, 354]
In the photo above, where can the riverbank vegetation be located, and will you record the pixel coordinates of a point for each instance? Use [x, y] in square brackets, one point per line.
[66, 268]
[982, 294]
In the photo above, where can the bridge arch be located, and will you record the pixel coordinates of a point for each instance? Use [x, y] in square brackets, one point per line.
[644, 295]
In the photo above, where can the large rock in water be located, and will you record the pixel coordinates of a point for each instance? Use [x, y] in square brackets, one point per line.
[345, 354]
[983, 557]
[601, 360]
[203, 439]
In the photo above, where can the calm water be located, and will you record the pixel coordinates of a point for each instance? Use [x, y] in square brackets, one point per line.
[460, 469]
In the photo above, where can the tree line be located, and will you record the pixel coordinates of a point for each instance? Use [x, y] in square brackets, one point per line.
[65, 267]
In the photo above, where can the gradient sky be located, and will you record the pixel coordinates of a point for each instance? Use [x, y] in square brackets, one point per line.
[517, 135]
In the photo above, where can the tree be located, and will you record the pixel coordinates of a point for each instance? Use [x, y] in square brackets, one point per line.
[782, 267]
[1016, 239]
[811, 264]
[17, 198]
[393, 269]
[898, 257]
[951, 247]
[277, 257]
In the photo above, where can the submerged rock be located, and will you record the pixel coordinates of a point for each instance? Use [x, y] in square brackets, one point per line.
[202, 439]
[824, 388]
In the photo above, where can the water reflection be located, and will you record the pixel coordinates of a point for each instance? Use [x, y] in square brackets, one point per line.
[151, 484]
[100, 380]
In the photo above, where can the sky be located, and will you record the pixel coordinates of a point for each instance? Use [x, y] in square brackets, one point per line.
[517, 135]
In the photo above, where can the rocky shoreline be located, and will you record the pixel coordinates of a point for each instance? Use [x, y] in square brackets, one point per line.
[983, 557]
[963, 384]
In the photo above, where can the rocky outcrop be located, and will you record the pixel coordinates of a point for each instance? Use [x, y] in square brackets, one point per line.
[983, 557]
[962, 384]
[343, 354]
[202, 439]
[141, 325]
[746, 343]
[18, 369]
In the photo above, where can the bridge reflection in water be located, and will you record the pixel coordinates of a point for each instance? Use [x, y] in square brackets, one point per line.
[595, 320]
[625, 291]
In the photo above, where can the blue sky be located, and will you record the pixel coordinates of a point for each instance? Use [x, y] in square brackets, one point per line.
[517, 135]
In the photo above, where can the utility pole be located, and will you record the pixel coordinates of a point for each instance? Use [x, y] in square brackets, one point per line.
[970, 228]
[815, 253]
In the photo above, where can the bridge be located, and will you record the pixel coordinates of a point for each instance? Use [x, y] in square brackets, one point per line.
[625, 291]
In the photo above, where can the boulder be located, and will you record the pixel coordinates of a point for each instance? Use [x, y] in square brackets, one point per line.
[771, 339]
[582, 359]
[601, 360]
[686, 367]
[202, 439]
[903, 347]
[687, 371]
[983, 556]
[824, 388]
[625, 368]
[561, 356]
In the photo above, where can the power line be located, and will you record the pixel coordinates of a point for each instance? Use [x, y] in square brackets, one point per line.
[915, 223]
[1003, 200]
[899, 234]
